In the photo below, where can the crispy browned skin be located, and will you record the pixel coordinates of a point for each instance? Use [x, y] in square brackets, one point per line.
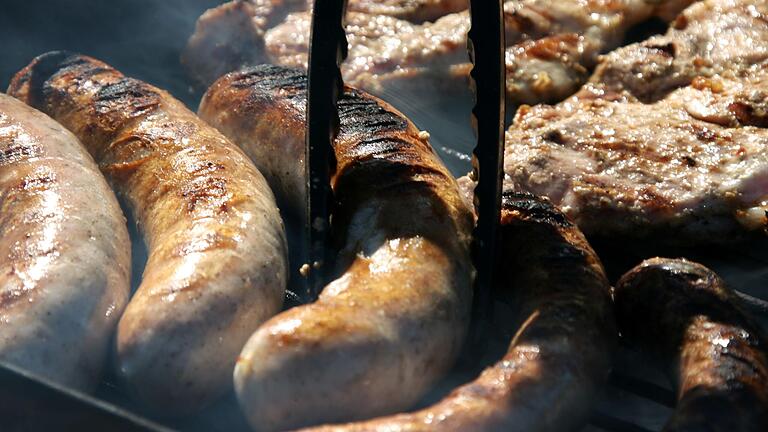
[64, 251]
[392, 323]
[684, 315]
[216, 266]
[560, 356]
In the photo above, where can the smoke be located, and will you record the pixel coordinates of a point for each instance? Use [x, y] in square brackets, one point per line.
[142, 38]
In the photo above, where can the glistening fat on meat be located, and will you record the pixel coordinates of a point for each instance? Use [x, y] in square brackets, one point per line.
[216, 266]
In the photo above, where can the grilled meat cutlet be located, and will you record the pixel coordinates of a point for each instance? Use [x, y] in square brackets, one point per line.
[691, 166]
[231, 35]
[552, 44]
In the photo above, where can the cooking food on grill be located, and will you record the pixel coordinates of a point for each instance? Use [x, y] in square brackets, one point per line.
[563, 349]
[216, 266]
[684, 315]
[553, 44]
[65, 263]
[631, 156]
[232, 35]
[713, 37]
[392, 322]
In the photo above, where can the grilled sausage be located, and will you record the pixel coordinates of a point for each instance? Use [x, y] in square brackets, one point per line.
[216, 244]
[683, 314]
[562, 352]
[392, 322]
[65, 263]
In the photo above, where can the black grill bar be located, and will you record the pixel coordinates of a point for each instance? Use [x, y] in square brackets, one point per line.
[614, 424]
[29, 402]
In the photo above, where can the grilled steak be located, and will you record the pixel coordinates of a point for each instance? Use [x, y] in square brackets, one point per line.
[683, 314]
[553, 44]
[562, 350]
[392, 322]
[216, 267]
[65, 254]
[689, 163]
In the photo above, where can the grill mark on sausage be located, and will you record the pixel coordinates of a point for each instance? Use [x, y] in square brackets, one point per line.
[359, 114]
[51, 65]
[37, 182]
[127, 97]
[534, 208]
[271, 78]
[18, 151]
[206, 192]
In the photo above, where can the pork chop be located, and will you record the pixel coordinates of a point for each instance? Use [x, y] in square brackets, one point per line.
[667, 139]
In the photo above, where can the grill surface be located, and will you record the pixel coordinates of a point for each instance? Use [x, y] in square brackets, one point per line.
[143, 38]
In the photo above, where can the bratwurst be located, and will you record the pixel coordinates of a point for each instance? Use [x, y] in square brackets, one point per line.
[392, 322]
[561, 355]
[216, 244]
[65, 263]
[685, 315]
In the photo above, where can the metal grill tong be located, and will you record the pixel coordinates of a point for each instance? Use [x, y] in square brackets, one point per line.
[328, 48]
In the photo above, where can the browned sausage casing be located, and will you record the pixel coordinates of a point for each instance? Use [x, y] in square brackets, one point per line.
[216, 266]
[393, 321]
[684, 315]
[561, 355]
[64, 251]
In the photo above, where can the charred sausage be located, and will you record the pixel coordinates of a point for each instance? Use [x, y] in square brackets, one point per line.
[216, 244]
[393, 321]
[562, 352]
[683, 314]
[65, 263]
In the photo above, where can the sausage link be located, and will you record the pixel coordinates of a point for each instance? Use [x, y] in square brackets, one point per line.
[562, 352]
[216, 244]
[65, 263]
[393, 321]
[684, 314]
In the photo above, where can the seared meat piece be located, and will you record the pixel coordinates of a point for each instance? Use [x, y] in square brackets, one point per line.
[65, 256]
[385, 52]
[684, 315]
[416, 11]
[554, 43]
[231, 35]
[217, 252]
[563, 349]
[728, 37]
[691, 167]
[392, 323]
